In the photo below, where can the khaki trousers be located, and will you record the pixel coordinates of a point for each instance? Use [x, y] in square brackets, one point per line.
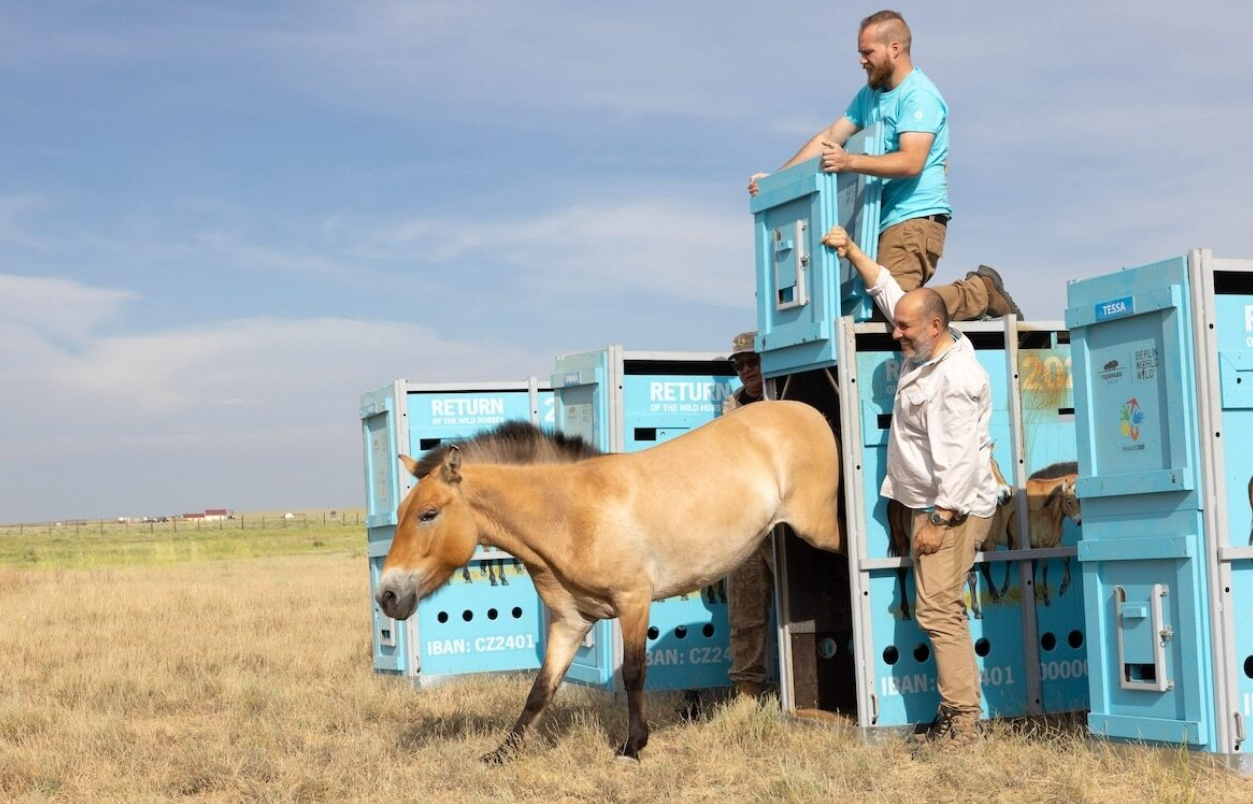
[911, 249]
[940, 578]
[750, 595]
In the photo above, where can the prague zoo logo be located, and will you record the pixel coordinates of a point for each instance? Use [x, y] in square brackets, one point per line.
[1130, 418]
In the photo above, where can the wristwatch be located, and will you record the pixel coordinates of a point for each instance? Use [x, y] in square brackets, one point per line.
[936, 519]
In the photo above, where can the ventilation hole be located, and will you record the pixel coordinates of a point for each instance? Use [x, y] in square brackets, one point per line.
[827, 648]
[442, 616]
[492, 614]
[517, 612]
[707, 630]
[1248, 666]
[890, 655]
[680, 632]
[1075, 640]
[467, 615]
[1048, 641]
[921, 653]
[653, 633]
[982, 646]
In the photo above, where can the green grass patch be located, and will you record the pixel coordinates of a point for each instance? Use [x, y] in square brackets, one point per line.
[94, 545]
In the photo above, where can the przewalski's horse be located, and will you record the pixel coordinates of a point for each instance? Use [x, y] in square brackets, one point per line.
[998, 536]
[900, 537]
[1051, 498]
[605, 536]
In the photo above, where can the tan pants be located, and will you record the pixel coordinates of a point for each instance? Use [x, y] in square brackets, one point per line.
[940, 578]
[911, 249]
[750, 595]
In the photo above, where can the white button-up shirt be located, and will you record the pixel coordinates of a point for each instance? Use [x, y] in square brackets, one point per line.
[939, 447]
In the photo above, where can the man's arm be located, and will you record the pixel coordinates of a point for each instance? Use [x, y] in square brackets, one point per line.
[835, 135]
[903, 164]
[881, 285]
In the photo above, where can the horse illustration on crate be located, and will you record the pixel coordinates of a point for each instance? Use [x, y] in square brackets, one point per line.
[494, 570]
[1051, 500]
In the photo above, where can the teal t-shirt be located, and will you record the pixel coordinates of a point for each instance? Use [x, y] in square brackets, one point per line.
[914, 106]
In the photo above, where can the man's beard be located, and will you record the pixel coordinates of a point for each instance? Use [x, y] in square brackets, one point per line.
[879, 76]
[920, 351]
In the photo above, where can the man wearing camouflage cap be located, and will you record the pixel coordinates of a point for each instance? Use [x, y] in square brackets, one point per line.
[750, 586]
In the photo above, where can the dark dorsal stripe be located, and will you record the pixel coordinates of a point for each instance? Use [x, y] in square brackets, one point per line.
[513, 442]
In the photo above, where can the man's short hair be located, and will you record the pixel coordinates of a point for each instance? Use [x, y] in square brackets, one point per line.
[933, 307]
[892, 28]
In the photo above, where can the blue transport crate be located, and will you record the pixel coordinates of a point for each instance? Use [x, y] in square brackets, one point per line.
[1163, 371]
[488, 617]
[1048, 473]
[880, 655]
[625, 401]
[802, 286]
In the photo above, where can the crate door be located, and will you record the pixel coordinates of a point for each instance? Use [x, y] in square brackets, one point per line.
[1142, 547]
[801, 284]
[584, 406]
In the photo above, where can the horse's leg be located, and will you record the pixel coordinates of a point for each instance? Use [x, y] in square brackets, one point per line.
[1065, 577]
[633, 617]
[972, 585]
[500, 570]
[900, 577]
[1043, 587]
[986, 569]
[565, 632]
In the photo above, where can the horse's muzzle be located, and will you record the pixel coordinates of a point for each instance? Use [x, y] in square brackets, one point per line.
[397, 595]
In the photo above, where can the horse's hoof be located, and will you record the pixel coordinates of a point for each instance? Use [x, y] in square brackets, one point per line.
[626, 761]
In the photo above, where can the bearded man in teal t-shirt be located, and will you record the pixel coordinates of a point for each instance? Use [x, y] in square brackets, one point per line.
[914, 211]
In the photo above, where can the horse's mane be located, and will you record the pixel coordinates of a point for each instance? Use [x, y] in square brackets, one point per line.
[1056, 470]
[513, 442]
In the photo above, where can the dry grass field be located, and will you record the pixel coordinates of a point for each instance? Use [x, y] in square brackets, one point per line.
[249, 679]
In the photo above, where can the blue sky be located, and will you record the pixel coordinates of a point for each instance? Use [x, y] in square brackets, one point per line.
[220, 222]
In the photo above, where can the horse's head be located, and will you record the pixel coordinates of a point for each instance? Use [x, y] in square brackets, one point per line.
[435, 534]
[1070, 501]
[1004, 491]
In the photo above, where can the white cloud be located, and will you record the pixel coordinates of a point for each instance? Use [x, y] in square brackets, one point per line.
[662, 246]
[59, 308]
[218, 403]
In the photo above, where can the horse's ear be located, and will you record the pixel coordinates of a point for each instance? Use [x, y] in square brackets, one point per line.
[410, 465]
[450, 472]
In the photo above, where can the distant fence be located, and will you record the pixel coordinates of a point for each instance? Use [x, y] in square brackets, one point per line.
[322, 521]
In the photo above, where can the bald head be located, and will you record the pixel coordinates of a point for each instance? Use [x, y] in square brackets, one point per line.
[921, 324]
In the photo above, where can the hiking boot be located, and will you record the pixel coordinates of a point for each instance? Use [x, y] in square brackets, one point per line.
[1000, 303]
[948, 732]
[932, 731]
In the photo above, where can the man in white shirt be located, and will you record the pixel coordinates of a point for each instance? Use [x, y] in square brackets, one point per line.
[940, 467]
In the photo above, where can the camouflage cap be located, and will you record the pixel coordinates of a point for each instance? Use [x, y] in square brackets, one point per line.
[742, 344]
